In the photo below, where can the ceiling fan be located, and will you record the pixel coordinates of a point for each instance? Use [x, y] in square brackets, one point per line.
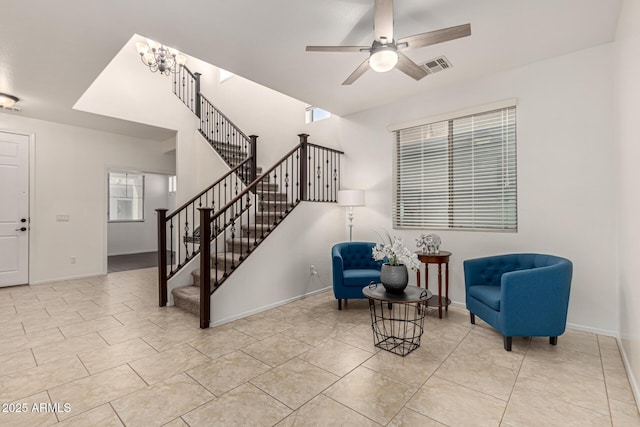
[385, 51]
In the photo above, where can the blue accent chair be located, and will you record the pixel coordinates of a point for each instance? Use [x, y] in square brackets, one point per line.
[353, 269]
[520, 294]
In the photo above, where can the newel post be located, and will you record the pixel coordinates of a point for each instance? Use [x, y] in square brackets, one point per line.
[197, 89]
[253, 140]
[162, 257]
[205, 267]
[304, 185]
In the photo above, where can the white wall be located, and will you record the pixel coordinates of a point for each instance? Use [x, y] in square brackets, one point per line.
[140, 236]
[68, 176]
[277, 119]
[565, 173]
[627, 89]
[148, 98]
[278, 270]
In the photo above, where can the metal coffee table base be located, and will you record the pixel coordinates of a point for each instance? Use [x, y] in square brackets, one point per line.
[397, 320]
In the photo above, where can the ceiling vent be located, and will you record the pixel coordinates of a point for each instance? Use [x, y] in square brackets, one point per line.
[436, 65]
[16, 109]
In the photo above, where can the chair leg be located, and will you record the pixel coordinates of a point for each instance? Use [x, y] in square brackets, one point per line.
[507, 343]
[473, 318]
[553, 340]
[339, 304]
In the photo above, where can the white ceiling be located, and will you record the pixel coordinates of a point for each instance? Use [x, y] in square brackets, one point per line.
[51, 52]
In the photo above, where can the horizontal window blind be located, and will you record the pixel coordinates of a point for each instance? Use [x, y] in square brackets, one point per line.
[458, 173]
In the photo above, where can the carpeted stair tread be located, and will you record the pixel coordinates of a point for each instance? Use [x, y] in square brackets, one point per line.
[240, 245]
[275, 205]
[257, 228]
[268, 217]
[214, 272]
[187, 298]
[271, 195]
[267, 186]
[231, 258]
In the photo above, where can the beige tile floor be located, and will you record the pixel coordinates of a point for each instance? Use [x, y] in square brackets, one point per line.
[101, 347]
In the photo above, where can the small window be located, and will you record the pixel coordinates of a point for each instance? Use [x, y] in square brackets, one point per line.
[172, 184]
[225, 75]
[126, 197]
[314, 114]
[458, 173]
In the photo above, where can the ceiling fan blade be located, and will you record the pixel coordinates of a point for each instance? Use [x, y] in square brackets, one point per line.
[409, 67]
[383, 19]
[434, 37]
[362, 68]
[336, 48]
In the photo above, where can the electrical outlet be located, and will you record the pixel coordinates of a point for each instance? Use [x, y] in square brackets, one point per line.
[73, 260]
[312, 271]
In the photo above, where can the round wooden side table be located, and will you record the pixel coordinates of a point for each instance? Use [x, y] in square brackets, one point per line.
[440, 258]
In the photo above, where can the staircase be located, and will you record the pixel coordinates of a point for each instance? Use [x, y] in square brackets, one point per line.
[273, 208]
[240, 209]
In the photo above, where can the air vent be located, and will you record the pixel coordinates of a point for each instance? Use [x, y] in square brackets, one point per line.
[16, 109]
[436, 65]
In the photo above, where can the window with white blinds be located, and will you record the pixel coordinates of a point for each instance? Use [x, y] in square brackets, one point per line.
[458, 174]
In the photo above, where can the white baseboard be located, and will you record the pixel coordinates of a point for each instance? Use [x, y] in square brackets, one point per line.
[635, 388]
[575, 326]
[598, 331]
[267, 307]
[134, 252]
[62, 279]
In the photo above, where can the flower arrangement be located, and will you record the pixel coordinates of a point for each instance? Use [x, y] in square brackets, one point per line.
[396, 253]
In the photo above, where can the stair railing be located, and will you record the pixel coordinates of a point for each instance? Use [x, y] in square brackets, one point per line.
[226, 138]
[308, 172]
[179, 233]
[223, 135]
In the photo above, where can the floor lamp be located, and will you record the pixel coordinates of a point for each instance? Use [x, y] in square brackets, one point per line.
[351, 198]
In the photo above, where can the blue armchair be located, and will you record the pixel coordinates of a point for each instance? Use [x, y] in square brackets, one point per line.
[520, 294]
[353, 269]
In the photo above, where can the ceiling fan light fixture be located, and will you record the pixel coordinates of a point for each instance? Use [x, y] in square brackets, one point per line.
[7, 101]
[383, 60]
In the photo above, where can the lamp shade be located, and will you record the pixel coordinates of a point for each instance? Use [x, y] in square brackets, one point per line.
[351, 198]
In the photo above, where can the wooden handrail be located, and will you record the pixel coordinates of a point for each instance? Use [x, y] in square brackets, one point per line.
[257, 181]
[224, 116]
[194, 198]
[333, 150]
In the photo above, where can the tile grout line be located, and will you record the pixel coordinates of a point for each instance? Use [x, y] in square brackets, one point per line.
[604, 378]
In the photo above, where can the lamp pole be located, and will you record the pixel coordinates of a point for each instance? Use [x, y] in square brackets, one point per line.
[350, 217]
[350, 198]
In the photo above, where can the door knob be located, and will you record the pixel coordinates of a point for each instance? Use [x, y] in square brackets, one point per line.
[23, 220]
[21, 229]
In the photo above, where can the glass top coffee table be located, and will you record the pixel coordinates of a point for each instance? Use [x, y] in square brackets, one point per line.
[397, 320]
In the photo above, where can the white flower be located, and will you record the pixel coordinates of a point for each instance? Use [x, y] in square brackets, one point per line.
[396, 253]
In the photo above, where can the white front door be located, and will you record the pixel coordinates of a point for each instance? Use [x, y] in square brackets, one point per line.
[14, 209]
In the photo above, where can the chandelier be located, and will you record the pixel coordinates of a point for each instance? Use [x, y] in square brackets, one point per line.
[159, 57]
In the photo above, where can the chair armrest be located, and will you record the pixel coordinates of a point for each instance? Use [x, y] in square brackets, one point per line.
[536, 295]
[337, 269]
